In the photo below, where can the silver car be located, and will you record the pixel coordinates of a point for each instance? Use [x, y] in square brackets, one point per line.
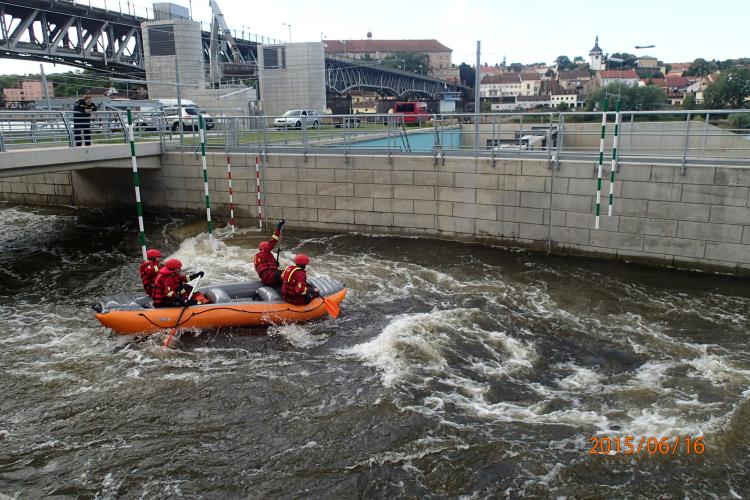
[294, 118]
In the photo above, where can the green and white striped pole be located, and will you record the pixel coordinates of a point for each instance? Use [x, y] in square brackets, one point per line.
[613, 167]
[137, 183]
[601, 161]
[202, 127]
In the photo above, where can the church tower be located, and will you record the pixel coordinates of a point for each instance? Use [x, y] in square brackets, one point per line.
[596, 58]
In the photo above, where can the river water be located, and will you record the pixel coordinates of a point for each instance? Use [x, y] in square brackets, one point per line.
[453, 371]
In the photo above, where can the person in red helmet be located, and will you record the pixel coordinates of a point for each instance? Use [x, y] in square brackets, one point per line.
[266, 264]
[171, 288]
[149, 269]
[294, 286]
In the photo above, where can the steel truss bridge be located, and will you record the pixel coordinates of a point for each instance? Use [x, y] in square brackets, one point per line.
[75, 34]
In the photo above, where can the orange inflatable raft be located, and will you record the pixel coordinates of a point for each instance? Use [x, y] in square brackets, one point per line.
[232, 304]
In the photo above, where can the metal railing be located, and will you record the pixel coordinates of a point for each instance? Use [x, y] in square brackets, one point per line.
[34, 129]
[698, 137]
[675, 137]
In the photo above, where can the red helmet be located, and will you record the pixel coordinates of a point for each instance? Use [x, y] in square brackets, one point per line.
[153, 254]
[173, 264]
[301, 259]
[263, 245]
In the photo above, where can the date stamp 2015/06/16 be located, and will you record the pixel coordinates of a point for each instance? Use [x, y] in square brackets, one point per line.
[651, 445]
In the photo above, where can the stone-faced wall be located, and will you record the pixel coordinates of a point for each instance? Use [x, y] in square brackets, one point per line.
[697, 220]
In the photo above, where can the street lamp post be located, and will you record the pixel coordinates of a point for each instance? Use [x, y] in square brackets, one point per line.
[288, 25]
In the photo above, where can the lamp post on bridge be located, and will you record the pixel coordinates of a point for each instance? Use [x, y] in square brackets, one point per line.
[288, 25]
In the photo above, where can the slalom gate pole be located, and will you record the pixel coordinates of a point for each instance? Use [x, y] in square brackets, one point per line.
[601, 160]
[137, 184]
[257, 189]
[202, 127]
[613, 167]
[231, 201]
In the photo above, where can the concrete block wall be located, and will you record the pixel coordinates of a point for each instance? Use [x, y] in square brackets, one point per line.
[189, 51]
[697, 220]
[38, 189]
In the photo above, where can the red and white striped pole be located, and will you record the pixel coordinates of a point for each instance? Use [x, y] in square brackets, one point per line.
[231, 201]
[257, 189]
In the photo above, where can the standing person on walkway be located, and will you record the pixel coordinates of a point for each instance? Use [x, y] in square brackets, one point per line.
[294, 286]
[266, 264]
[82, 111]
[171, 288]
[149, 269]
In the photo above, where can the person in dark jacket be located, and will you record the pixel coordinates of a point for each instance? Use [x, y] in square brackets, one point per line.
[149, 269]
[294, 286]
[82, 111]
[171, 288]
[266, 264]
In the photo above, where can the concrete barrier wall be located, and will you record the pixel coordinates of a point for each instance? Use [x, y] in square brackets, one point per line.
[700, 220]
[697, 220]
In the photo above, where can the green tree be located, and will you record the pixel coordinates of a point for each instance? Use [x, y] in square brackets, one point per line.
[633, 98]
[517, 67]
[701, 67]
[408, 61]
[730, 90]
[689, 102]
[564, 62]
[740, 122]
[563, 106]
[467, 74]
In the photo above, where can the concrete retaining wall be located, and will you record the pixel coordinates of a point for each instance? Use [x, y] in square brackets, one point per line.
[697, 220]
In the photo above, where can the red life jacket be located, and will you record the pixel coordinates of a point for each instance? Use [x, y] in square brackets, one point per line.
[167, 288]
[294, 285]
[149, 269]
[265, 263]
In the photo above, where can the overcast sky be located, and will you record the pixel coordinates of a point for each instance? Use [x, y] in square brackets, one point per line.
[521, 30]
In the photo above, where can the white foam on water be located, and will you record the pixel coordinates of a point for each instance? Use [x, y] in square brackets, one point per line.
[297, 334]
[581, 378]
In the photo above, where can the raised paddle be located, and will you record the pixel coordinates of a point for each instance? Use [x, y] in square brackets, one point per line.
[168, 340]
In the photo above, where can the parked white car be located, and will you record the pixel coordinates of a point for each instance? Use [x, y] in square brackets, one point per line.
[294, 118]
[189, 116]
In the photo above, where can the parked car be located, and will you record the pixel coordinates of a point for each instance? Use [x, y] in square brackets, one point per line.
[349, 122]
[189, 117]
[294, 118]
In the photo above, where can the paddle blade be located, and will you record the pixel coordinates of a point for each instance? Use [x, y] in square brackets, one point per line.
[170, 337]
[331, 307]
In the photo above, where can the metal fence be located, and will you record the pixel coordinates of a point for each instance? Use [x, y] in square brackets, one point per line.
[34, 129]
[674, 137]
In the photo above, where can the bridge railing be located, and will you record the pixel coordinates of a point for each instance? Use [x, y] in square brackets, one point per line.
[34, 129]
[675, 137]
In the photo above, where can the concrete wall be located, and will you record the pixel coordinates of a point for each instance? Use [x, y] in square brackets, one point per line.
[301, 84]
[95, 187]
[189, 51]
[699, 220]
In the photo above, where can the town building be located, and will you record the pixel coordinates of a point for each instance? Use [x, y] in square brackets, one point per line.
[494, 86]
[648, 62]
[596, 57]
[623, 76]
[574, 79]
[530, 83]
[27, 92]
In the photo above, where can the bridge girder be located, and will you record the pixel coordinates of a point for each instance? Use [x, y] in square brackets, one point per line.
[69, 33]
[343, 76]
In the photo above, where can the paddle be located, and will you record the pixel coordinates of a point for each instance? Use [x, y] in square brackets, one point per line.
[332, 308]
[168, 340]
